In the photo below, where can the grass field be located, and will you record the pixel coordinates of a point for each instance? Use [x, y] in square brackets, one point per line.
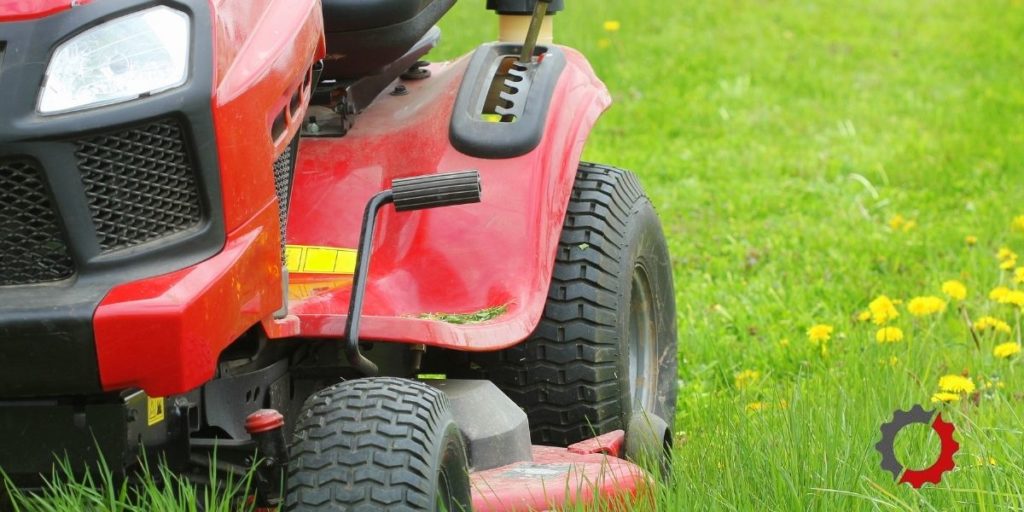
[806, 158]
[781, 142]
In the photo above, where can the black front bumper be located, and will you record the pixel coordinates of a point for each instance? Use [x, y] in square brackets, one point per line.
[121, 192]
[37, 437]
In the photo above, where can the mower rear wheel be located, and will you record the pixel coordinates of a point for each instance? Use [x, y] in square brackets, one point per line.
[605, 347]
[377, 444]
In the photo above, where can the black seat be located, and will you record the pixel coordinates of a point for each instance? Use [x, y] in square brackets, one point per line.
[364, 36]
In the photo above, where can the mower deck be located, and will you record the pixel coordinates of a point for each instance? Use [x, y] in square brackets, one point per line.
[560, 477]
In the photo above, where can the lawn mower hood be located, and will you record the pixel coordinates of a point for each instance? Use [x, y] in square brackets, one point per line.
[139, 170]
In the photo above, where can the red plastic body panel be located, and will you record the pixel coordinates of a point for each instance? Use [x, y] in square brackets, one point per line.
[20, 10]
[165, 334]
[557, 479]
[452, 260]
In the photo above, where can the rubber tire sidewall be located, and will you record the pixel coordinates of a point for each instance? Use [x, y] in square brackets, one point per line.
[646, 247]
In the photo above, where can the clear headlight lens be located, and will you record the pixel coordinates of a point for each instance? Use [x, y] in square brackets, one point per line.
[142, 53]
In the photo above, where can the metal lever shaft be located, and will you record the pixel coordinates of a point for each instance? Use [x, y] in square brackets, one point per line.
[540, 10]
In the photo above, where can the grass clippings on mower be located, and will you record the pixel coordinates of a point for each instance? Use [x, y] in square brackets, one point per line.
[476, 317]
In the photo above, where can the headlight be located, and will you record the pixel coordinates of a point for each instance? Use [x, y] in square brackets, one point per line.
[139, 54]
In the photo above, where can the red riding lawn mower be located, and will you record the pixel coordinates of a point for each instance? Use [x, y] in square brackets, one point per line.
[191, 194]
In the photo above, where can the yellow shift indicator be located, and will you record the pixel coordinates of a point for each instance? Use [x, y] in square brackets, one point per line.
[155, 407]
[307, 259]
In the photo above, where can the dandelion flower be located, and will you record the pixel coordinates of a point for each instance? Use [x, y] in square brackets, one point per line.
[971, 240]
[864, 316]
[756, 406]
[923, 306]
[1018, 275]
[882, 310]
[901, 223]
[998, 293]
[956, 384]
[819, 333]
[988, 322]
[889, 335]
[745, 378]
[1018, 223]
[954, 289]
[1006, 350]
[1015, 297]
[945, 397]
[612, 26]
[1007, 258]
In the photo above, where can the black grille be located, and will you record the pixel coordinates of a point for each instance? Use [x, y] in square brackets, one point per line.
[140, 183]
[283, 170]
[32, 249]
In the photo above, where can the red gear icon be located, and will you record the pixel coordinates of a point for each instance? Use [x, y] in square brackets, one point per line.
[918, 477]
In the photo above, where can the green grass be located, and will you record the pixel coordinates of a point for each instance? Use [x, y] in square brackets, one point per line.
[777, 139]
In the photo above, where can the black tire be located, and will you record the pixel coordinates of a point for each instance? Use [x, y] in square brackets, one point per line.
[579, 374]
[377, 444]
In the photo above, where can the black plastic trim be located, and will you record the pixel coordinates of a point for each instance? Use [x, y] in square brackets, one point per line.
[355, 54]
[474, 136]
[46, 335]
[522, 7]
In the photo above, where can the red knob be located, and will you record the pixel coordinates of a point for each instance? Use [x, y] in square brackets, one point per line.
[264, 420]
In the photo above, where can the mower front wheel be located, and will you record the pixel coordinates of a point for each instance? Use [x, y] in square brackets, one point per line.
[378, 444]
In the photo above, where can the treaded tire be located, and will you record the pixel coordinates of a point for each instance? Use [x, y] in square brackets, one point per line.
[573, 376]
[377, 444]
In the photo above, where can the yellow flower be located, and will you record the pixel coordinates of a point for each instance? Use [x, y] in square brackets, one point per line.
[945, 397]
[893, 361]
[971, 240]
[956, 384]
[745, 378]
[756, 406]
[819, 333]
[896, 222]
[998, 293]
[1018, 275]
[889, 335]
[954, 289]
[1007, 258]
[922, 306]
[988, 322]
[864, 316]
[1015, 297]
[612, 26]
[882, 310]
[1018, 223]
[1006, 350]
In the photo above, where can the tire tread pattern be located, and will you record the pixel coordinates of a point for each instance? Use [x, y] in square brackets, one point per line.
[566, 374]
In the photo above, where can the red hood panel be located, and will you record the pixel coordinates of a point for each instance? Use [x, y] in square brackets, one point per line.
[18, 10]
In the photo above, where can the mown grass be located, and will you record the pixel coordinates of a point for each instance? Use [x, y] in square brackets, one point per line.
[778, 139]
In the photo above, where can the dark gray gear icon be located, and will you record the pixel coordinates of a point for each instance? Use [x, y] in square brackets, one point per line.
[900, 419]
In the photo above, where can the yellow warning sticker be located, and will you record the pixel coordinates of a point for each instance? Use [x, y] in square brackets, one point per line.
[156, 411]
[307, 259]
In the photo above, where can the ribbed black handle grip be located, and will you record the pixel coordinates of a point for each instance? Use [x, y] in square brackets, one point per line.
[436, 190]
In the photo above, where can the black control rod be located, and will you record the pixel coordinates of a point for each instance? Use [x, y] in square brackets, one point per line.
[407, 194]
